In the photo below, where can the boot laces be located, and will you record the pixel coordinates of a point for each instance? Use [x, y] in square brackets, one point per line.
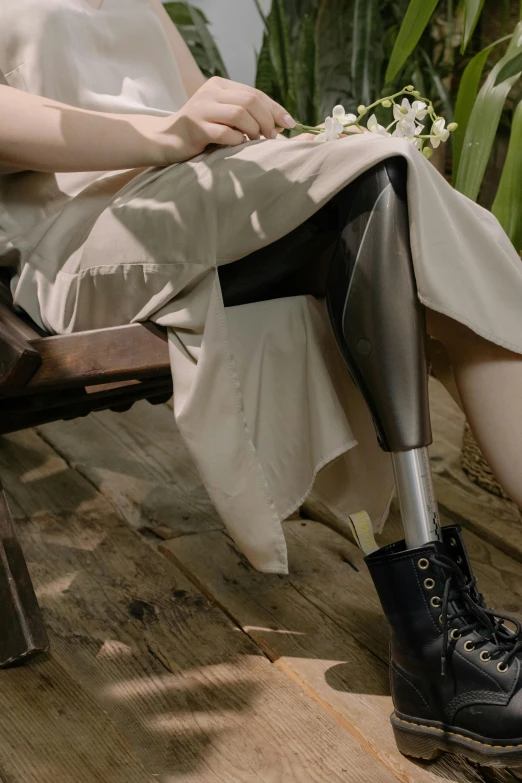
[474, 615]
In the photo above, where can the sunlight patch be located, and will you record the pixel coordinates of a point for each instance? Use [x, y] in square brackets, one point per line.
[256, 225]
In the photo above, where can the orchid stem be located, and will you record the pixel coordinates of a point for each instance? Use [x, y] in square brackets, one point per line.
[390, 101]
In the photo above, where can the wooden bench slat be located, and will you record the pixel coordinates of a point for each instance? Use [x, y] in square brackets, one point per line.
[101, 356]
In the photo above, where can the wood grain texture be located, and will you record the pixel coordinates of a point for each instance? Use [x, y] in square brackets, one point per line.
[118, 353]
[185, 687]
[323, 626]
[189, 693]
[139, 462]
[53, 731]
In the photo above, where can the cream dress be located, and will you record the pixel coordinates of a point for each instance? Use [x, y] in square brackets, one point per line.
[261, 396]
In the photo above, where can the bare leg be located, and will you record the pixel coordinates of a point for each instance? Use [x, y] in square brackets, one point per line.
[489, 383]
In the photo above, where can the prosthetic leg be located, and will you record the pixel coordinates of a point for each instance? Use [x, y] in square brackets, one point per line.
[379, 324]
[455, 667]
[356, 252]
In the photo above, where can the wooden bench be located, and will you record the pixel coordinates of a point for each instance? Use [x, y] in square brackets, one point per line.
[44, 379]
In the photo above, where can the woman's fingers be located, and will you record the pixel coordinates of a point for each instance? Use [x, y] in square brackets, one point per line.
[222, 134]
[255, 108]
[236, 116]
[281, 117]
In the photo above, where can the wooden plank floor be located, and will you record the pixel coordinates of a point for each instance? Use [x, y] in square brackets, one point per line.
[172, 659]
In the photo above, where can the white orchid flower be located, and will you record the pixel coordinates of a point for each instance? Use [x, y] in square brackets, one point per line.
[417, 142]
[407, 112]
[409, 131]
[404, 112]
[340, 115]
[420, 109]
[438, 132]
[332, 130]
[374, 127]
[404, 129]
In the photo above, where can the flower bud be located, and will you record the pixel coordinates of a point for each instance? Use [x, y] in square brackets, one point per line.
[427, 152]
[416, 93]
[361, 108]
[403, 110]
[409, 87]
[386, 104]
[453, 126]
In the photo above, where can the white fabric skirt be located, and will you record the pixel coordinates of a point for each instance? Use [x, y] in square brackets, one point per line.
[261, 395]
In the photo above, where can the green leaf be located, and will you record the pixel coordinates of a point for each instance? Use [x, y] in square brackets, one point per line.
[483, 123]
[466, 96]
[281, 54]
[414, 23]
[193, 26]
[333, 33]
[507, 206]
[511, 68]
[265, 76]
[439, 86]
[305, 74]
[261, 14]
[180, 13]
[472, 11]
[208, 43]
[364, 52]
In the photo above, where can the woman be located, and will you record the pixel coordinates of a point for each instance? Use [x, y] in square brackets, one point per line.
[114, 208]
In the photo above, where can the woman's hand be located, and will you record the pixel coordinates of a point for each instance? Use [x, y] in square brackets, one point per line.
[220, 112]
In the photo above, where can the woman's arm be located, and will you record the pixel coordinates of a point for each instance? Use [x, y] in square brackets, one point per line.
[42, 135]
[191, 75]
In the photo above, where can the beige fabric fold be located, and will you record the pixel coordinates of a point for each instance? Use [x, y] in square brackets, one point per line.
[261, 395]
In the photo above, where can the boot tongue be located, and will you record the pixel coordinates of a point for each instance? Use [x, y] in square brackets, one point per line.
[460, 577]
[453, 546]
[456, 549]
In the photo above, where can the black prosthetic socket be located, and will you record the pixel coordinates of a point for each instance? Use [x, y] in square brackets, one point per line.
[374, 309]
[355, 251]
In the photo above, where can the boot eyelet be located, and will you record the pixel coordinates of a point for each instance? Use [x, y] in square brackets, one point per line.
[453, 542]
[440, 619]
[455, 634]
[469, 646]
[429, 583]
[459, 560]
[502, 667]
[435, 601]
[485, 656]
[423, 563]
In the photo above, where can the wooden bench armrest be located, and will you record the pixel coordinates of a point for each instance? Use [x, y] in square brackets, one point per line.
[132, 352]
[31, 362]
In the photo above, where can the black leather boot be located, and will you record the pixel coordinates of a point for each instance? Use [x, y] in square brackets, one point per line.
[455, 668]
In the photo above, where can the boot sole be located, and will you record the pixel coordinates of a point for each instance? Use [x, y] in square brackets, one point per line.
[429, 739]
